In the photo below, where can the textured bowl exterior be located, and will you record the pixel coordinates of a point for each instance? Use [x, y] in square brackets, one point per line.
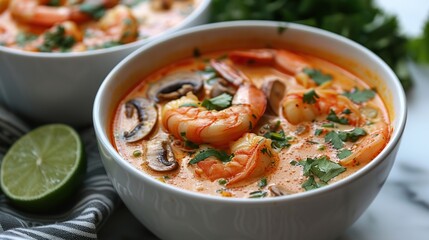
[173, 213]
[61, 87]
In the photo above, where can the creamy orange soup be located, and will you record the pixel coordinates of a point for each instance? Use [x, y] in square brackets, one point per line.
[81, 25]
[251, 123]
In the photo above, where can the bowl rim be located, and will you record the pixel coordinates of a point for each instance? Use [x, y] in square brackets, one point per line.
[400, 116]
[195, 14]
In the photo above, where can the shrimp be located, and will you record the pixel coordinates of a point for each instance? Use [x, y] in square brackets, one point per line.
[282, 60]
[295, 110]
[38, 12]
[185, 119]
[253, 157]
[119, 25]
[370, 146]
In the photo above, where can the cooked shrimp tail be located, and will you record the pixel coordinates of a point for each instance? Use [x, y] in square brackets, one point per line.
[253, 157]
[184, 118]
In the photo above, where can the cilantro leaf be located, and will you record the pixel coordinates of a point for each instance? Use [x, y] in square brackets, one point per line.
[326, 170]
[337, 139]
[322, 168]
[344, 153]
[353, 135]
[333, 138]
[317, 76]
[318, 131]
[311, 184]
[56, 39]
[279, 139]
[218, 103]
[332, 116]
[360, 96]
[310, 97]
[221, 155]
[262, 183]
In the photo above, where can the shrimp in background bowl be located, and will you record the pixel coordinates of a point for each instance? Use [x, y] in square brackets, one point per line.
[39, 25]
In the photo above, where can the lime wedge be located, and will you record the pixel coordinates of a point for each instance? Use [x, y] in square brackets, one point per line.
[43, 168]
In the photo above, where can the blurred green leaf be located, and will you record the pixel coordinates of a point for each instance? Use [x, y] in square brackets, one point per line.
[359, 20]
[419, 47]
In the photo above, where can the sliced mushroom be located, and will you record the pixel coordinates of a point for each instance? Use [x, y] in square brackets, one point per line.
[159, 155]
[276, 190]
[274, 90]
[176, 85]
[146, 117]
[221, 86]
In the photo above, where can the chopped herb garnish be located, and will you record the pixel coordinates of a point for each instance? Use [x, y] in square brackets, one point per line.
[222, 181]
[360, 96]
[95, 11]
[332, 116]
[262, 183]
[257, 194]
[347, 111]
[310, 97]
[328, 125]
[353, 135]
[279, 139]
[318, 131]
[221, 155]
[317, 76]
[56, 39]
[293, 163]
[311, 184]
[343, 153]
[218, 103]
[333, 138]
[337, 138]
[322, 168]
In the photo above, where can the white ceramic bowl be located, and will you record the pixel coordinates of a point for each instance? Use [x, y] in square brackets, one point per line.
[61, 87]
[172, 213]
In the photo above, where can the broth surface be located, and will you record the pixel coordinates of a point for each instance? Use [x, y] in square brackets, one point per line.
[320, 123]
[75, 26]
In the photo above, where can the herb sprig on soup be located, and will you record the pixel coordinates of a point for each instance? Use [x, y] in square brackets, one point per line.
[81, 25]
[251, 123]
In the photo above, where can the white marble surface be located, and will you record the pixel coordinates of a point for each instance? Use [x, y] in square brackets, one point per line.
[401, 210]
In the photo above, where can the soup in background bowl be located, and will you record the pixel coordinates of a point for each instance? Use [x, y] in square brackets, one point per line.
[249, 129]
[54, 58]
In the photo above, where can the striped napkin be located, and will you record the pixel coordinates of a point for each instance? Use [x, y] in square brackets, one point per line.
[88, 211]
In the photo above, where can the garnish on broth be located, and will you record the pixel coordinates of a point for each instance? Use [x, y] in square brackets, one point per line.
[254, 123]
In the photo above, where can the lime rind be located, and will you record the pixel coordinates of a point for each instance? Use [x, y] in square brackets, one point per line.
[43, 168]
